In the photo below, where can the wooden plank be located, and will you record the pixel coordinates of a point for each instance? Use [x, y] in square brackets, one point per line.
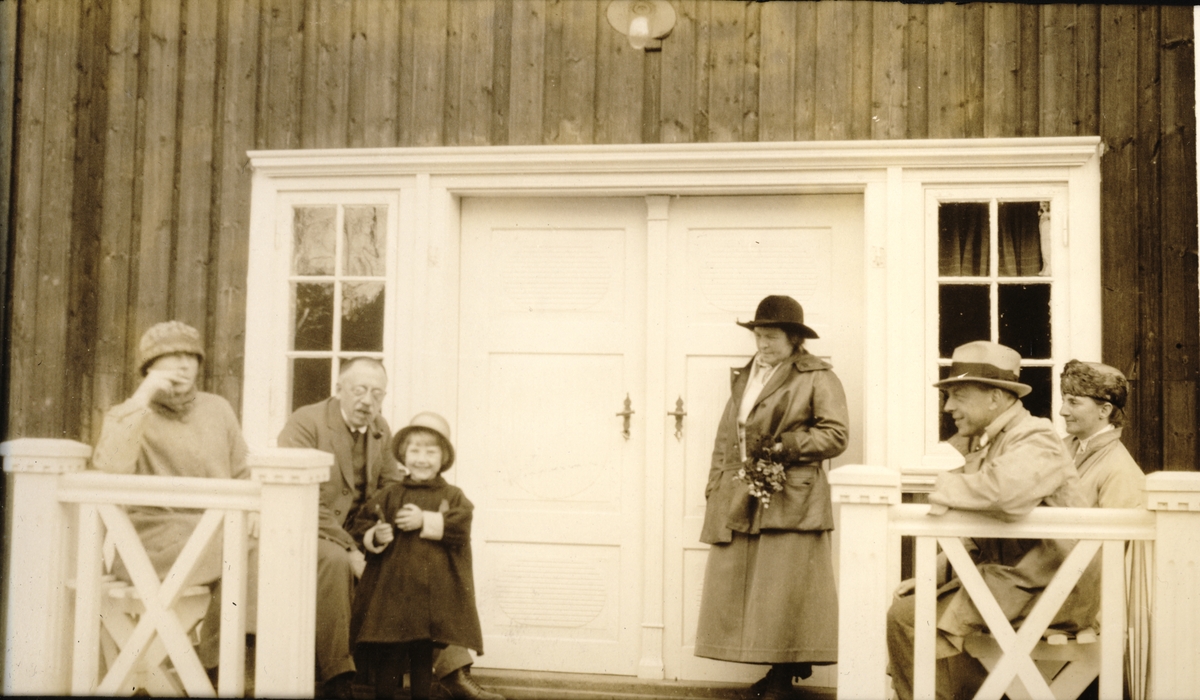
[946, 73]
[1149, 223]
[971, 60]
[681, 58]
[835, 71]
[725, 100]
[453, 72]
[917, 59]
[159, 110]
[862, 55]
[502, 46]
[282, 68]
[327, 60]
[195, 226]
[526, 81]
[1059, 79]
[805, 98]
[777, 71]
[238, 86]
[55, 234]
[1119, 241]
[1030, 78]
[1177, 160]
[373, 74]
[751, 55]
[8, 64]
[1001, 64]
[889, 71]
[430, 19]
[620, 71]
[87, 187]
[116, 336]
[471, 23]
[1087, 49]
[407, 81]
[24, 392]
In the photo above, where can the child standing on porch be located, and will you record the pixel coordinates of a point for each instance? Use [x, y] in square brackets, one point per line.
[418, 590]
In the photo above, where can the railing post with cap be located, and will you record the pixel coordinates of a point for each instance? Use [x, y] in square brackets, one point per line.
[1175, 628]
[287, 591]
[864, 494]
[37, 634]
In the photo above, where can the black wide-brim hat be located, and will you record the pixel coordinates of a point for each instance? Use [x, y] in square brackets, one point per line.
[778, 311]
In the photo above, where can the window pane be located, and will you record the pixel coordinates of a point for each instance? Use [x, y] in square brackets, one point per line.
[310, 380]
[1025, 319]
[1040, 400]
[964, 315]
[362, 316]
[963, 239]
[313, 304]
[314, 240]
[365, 241]
[1020, 229]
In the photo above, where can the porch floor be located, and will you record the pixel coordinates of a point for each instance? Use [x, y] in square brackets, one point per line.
[532, 685]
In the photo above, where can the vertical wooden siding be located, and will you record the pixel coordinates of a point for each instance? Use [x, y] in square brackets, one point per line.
[130, 195]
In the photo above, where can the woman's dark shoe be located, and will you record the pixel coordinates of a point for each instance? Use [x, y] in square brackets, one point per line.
[340, 687]
[461, 686]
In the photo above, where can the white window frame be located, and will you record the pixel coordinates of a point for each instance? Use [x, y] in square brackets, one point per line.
[896, 179]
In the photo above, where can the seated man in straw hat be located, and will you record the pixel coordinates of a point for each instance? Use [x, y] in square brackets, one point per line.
[1014, 463]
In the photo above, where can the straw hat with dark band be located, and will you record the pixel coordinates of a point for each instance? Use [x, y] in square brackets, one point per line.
[985, 362]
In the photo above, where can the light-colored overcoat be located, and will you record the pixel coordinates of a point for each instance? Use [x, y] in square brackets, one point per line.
[1107, 473]
[1020, 465]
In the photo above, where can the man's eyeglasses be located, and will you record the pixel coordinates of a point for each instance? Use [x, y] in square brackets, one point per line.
[361, 391]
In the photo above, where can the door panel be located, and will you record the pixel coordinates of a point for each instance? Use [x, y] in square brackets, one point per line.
[553, 339]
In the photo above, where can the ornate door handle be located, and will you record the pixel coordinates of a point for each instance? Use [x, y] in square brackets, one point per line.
[626, 413]
[679, 413]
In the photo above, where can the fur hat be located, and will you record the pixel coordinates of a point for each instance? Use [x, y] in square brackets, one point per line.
[778, 311]
[430, 422]
[167, 338]
[985, 362]
[1095, 380]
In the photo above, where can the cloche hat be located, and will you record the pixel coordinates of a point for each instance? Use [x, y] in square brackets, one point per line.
[432, 422]
[1095, 380]
[985, 362]
[167, 338]
[778, 311]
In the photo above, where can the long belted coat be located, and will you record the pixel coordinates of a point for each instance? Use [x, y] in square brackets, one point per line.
[801, 406]
[769, 594]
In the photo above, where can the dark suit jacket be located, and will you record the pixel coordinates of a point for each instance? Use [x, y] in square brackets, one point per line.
[322, 427]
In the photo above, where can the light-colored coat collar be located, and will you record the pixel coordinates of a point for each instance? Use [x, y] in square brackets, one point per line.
[801, 361]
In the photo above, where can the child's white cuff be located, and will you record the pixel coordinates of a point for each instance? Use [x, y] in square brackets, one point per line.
[370, 545]
[434, 526]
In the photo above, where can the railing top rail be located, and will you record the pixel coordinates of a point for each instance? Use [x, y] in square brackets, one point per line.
[1042, 523]
[165, 491]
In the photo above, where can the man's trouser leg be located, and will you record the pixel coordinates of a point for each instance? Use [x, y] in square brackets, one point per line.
[335, 591]
[957, 676]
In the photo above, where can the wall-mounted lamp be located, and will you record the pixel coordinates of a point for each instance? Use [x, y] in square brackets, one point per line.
[645, 22]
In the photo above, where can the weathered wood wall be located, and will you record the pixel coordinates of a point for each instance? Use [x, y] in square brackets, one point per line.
[130, 195]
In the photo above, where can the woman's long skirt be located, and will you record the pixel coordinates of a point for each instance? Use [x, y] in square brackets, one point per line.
[769, 599]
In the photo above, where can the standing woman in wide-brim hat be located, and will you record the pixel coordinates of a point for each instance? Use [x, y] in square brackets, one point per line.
[769, 594]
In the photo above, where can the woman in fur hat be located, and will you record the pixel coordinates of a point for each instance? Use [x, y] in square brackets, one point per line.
[768, 593]
[1093, 403]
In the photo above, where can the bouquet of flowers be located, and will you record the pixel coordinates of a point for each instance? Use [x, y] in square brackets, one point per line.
[763, 473]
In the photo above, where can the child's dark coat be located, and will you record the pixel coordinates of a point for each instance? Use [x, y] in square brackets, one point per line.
[418, 588]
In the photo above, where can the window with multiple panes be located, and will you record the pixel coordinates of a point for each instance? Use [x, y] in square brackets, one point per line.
[338, 280]
[996, 281]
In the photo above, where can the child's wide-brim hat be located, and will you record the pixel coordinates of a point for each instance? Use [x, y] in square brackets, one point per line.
[778, 311]
[432, 422]
[985, 362]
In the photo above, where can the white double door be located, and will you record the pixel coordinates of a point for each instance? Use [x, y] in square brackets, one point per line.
[584, 324]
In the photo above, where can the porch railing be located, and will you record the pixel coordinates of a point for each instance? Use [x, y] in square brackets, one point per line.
[59, 515]
[873, 519]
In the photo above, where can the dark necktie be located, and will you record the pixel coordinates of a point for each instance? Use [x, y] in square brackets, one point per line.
[359, 459]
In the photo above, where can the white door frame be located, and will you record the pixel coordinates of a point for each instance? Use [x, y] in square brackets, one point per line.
[892, 176]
